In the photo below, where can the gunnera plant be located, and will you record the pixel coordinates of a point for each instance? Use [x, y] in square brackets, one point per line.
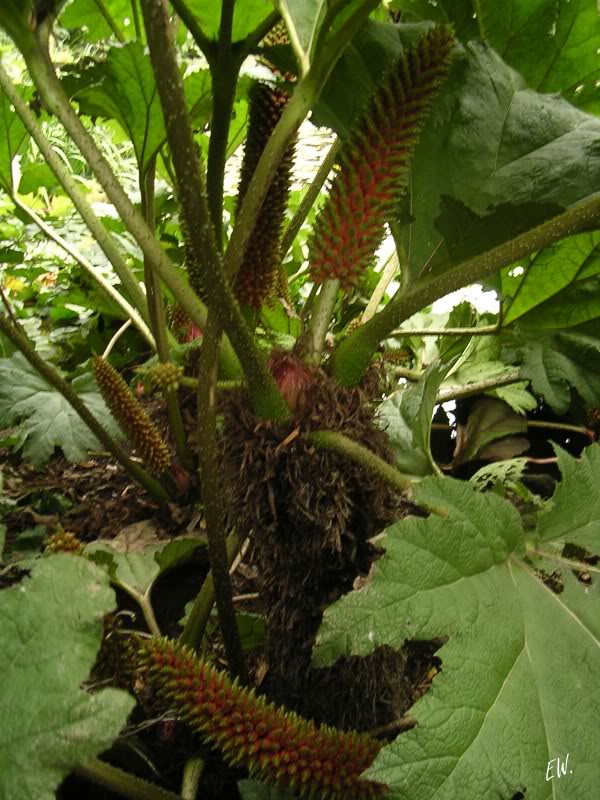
[310, 514]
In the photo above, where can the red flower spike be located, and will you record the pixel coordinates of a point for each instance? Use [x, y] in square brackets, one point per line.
[373, 163]
[276, 745]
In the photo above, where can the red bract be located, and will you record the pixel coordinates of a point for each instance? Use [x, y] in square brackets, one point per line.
[192, 333]
[291, 375]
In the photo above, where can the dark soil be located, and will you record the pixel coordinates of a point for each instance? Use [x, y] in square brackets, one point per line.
[97, 499]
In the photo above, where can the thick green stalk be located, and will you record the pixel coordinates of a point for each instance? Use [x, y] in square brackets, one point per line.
[484, 330]
[48, 372]
[560, 426]
[224, 84]
[265, 397]
[206, 45]
[200, 614]
[217, 584]
[91, 270]
[354, 354]
[473, 389]
[159, 323]
[192, 772]
[42, 72]
[413, 375]
[224, 73]
[310, 196]
[122, 783]
[212, 495]
[331, 440]
[109, 20]
[224, 78]
[104, 239]
[313, 338]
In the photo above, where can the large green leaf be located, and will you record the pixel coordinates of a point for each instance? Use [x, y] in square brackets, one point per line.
[48, 645]
[15, 16]
[429, 348]
[12, 138]
[457, 12]
[529, 155]
[136, 571]
[47, 420]
[198, 94]
[578, 303]
[246, 17]
[520, 679]
[573, 512]
[481, 361]
[304, 21]
[311, 22]
[550, 282]
[557, 362]
[490, 420]
[97, 21]
[122, 87]
[407, 415]
[552, 43]
[494, 159]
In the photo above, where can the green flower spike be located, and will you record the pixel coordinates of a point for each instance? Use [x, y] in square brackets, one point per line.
[131, 417]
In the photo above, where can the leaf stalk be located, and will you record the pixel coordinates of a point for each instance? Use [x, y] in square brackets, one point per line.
[354, 354]
[51, 375]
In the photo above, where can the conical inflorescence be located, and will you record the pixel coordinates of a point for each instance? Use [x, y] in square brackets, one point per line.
[64, 542]
[373, 163]
[166, 376]
[257, 276]
[276, 745]
[131, 417]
